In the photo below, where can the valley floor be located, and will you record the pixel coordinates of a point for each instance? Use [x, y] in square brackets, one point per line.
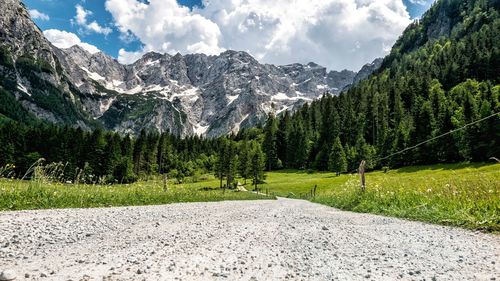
[247, 240]
[465, 195]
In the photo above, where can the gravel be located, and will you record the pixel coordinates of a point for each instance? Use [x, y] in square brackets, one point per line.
[249, 240]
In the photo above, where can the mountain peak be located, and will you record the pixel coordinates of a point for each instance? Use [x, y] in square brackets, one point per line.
[186, 95]
[77, 48]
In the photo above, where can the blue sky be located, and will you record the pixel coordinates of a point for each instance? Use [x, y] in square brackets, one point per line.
[416, 8]
[106, 25]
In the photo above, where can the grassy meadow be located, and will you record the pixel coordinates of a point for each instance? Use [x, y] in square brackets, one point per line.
[25, 195]
[466, 195]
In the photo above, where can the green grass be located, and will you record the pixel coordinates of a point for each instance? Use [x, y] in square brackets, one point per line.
[25, 195]
[298, 184]
[466, 195]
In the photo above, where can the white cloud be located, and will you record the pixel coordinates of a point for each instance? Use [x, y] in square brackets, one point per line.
[165, 26]
[81, 19]
[63, 39]
[125, 57]
[336, 33]
[35, 14]
[419, 2]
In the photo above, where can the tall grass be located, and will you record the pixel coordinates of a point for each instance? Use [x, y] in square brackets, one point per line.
[466, 195]
[21, 195]
[45, 189]
[450, 195]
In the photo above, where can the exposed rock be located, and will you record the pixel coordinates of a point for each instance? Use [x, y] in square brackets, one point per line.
[21, 35]
[194, 94]
[7, 275]
[367, 70]
[186, 95]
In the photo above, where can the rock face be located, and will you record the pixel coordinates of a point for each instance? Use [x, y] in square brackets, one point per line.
[186, 95]
[196, 93]
[31, 71]
[22, 36]
[367, 70]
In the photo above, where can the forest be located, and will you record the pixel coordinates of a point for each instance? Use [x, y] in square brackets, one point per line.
[427, 86]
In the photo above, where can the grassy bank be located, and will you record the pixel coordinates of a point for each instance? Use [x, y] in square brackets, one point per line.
[24, 195]
[466, 195]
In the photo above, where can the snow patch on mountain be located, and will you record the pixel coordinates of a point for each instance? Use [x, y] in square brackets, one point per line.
[231, 99]
[93, 75]
[177, 93]
[23, 89]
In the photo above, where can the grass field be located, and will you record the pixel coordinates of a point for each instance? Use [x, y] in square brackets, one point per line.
[24, 195]
[466, 195]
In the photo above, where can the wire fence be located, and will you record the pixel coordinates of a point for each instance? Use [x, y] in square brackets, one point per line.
[430, 140]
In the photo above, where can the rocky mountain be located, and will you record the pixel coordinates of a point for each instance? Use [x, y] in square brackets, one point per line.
[193, 94]
[22, 36]
[184, 94]
[367, 70]
[33, 83]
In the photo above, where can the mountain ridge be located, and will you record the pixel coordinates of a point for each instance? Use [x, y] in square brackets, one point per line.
[192, 94]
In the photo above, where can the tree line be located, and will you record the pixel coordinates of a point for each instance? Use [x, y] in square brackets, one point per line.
[427, 86]
[107, 157]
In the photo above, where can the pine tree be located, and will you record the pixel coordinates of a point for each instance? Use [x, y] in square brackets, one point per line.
[123, 172]
[282, 138]
[221, 159]
[149, 163]
[113, 154]
[270, 143]
[138, 157]
[299, 145]
[425, 129]
[244, 160]
[258, 164]
[95, 150]
[338, 160]
[231, 163]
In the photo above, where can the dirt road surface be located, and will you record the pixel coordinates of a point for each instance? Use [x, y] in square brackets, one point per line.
[239, 240]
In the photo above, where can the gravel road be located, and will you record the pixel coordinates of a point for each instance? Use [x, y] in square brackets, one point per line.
[238, 240]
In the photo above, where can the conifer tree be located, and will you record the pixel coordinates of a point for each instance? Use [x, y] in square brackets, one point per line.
[231, 163]
[244, 160]
[282, 138]
[270, 143]
[220, 161]
[112, 152]
[258, 164]
[138, 157]
[338, 160]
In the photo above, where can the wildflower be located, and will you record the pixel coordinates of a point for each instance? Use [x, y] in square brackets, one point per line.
[429, 190]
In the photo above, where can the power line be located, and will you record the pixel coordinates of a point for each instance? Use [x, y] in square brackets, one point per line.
[434, 138]
[440, 136]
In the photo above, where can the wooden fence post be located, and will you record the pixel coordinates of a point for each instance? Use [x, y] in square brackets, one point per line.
[165, 183]
[314, 193]
[361, 172]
